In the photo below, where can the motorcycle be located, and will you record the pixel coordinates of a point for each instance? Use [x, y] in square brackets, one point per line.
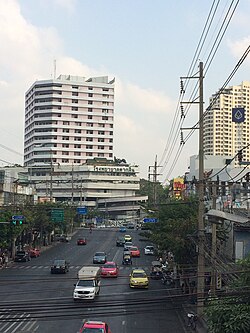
[127, 260]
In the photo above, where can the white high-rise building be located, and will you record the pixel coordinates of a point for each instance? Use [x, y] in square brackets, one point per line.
[222, 136]
[69, 120]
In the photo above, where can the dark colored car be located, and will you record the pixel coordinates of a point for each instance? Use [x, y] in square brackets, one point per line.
[120, 241]
[64, 239]
[99, 258]
[59, 266]
[81, 241]
[22, 256]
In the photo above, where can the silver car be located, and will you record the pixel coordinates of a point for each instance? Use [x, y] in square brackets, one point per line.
[149, 249]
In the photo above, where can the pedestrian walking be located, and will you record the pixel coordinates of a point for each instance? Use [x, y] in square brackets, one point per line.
[6, 260]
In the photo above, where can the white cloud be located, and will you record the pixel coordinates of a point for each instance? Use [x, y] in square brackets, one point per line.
[69, 5]
[238, 47]
[142, 116]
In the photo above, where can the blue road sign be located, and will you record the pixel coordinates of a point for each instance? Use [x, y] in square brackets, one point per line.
[238, 115]
[150, 220]
[82, 210]
[17, 217]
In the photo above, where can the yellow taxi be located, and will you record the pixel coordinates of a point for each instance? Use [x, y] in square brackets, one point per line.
[138, 278]
[127, 238]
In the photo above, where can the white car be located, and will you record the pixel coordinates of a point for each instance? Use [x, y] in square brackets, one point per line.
[149, 250]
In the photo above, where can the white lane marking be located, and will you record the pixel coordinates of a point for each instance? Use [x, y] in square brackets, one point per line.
[14, 330]
[123, 322]
[31, 324]
[14, 323]
[115, 256]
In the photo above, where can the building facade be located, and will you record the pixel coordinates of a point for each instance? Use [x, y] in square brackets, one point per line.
[222, 136]
[69, 120]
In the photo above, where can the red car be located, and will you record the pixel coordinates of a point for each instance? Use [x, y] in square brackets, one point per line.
[34, 253]
[109, 269]
[94, 326]
[134, 251]
[81, 241]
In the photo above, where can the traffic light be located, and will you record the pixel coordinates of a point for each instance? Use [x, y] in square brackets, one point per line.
[17, 220]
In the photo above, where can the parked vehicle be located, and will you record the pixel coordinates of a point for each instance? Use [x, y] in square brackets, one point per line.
[64, 238]
[149, 250]
[34, 253]
[156, 270]
[22, 256]
[59, 266]
[82, 241]
[88, 284]
[109, 269]
[95, 327]
[130, 226]
[99, 258]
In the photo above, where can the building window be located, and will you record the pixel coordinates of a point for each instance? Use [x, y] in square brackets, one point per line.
[77, 153]
[74, 116]
[74, 108]
[74, 93]
[101, 140]
[89, 132]
[65, 160]
[65, 138]
[78, 131]
[89, 139]
[100, 147]
[65, 130]
[75, 101]
[78, 123]
[89, 154]
[90, 117]
[77, 138]
[77, 146]
[65, 153]
[90, 95]
[110, 133]
[105, 118]
[90, 110]
[74, 87]
[105, 89]
[90, 102]
[65, 122]
[90, 88]
[110, 148]
[100, 155]
[89, 147]
[65, 145]
[101, 132]
[90, 124]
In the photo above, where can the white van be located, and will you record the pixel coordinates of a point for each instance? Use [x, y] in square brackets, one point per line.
[88, 284]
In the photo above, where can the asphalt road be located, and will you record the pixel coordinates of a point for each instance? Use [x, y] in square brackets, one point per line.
[33, 300]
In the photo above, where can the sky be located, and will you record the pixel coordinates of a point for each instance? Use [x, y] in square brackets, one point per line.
[147, 45]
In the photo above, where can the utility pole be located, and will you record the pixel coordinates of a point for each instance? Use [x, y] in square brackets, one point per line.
[154, 174]
[214, 243]
[201, 227]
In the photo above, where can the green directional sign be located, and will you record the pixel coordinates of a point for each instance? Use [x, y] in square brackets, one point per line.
[57, 215]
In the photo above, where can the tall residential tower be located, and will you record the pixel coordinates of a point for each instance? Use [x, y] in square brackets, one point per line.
[69, 120]
[222, 136]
